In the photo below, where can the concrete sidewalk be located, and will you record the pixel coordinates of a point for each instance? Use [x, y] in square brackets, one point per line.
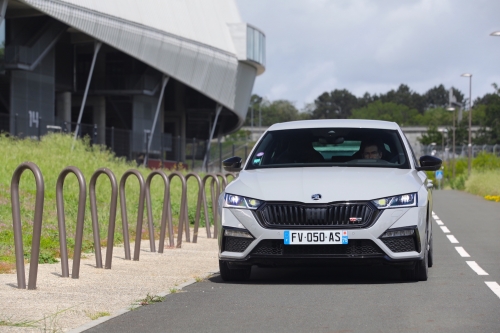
[65, 304]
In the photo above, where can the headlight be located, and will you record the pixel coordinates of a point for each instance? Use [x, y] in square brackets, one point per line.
[404, 200]
[237, 201]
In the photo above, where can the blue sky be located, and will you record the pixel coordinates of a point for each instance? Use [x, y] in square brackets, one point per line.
[373, 46]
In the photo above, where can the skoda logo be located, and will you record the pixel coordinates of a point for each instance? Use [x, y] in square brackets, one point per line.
[316, 196]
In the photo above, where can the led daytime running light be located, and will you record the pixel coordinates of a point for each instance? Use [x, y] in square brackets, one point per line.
[403, 200]
[237, 201]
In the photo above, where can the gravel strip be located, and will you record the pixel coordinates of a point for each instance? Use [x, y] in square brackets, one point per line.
[65, 304]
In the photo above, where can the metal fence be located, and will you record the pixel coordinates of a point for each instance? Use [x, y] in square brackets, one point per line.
[166, 150]
[461, 151]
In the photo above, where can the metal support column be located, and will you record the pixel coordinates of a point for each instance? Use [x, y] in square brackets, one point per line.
[163, 85]
[3, 9]
[218, 109]
[97, 47]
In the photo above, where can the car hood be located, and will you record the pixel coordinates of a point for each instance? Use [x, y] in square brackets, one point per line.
[333, 183]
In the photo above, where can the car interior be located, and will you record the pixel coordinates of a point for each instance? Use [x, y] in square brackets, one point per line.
[331, 146]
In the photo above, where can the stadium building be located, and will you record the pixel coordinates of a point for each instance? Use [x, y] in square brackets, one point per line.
[137, 75]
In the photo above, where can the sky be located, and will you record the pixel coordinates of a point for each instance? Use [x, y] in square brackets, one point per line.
[316, 46]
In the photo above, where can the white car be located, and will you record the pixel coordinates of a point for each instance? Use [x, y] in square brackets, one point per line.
[328, 192]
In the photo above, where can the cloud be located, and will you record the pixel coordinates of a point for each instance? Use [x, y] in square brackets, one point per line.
[374, 46]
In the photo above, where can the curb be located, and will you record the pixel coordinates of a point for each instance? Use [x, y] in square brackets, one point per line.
[118, 313]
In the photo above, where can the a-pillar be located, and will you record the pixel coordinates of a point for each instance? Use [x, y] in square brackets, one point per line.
[99, 108]
[63, 105]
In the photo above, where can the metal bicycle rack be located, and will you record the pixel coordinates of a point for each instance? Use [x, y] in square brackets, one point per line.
[166, 215]
[112, 217]
[183, 216]
[140, 214]
[37, 225]
[215, 180]
[198, 205]
[224, 181]
[75, 273]
[218, 182]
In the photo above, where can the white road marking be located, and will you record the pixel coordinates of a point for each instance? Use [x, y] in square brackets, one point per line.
[439, 222]
[475, 267]
[462, 252]
[445, 230]
[452, 239]
[494, 287]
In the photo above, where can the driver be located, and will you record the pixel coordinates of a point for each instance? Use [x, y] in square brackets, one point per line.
[372, 149]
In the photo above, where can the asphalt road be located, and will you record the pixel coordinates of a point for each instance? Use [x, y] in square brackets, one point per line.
[458, 297]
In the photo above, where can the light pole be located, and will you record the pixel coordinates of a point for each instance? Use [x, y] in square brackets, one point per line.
[452, 109]
[469, 164]
[442, 131]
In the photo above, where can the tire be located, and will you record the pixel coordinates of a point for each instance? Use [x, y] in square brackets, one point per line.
[231, 274]
[419, 271]
[430, 255]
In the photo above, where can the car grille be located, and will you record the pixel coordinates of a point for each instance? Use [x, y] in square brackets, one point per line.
[355, 247]
[335, 215]
[236, 244]
[400, 244]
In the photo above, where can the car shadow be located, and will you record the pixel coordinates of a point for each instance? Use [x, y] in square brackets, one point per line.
[341, 275]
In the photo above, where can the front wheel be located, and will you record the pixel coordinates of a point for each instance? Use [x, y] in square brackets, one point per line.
[234, 274]
[430, 260]
[419, 271]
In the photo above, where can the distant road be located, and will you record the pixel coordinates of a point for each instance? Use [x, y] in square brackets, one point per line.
[461, 295]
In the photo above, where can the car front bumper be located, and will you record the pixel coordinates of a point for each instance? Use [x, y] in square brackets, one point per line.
[364, 246]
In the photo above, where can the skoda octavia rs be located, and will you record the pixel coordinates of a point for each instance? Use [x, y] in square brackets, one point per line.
[328, 192]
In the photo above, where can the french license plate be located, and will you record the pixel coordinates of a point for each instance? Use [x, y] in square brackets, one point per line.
[310, 237]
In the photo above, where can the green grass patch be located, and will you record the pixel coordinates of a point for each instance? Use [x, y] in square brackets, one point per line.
[150, 299]
[52, 154]
[93, 315]
[484, 183]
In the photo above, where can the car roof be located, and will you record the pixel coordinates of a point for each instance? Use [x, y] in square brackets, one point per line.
[347, 123]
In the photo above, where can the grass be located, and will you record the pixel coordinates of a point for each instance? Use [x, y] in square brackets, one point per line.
[484, 183]
[49, 323]
[52, 154]
[93, 315]
[20, 323]
[151, 299]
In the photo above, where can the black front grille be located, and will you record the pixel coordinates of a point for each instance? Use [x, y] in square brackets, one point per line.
[335, 215]
[400, 244]
[355, 247]
[236, 244]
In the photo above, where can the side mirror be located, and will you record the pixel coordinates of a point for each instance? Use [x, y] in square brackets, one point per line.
[232, 164]
[429, 163]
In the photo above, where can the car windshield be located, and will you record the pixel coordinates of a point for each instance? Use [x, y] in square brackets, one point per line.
[348, 147]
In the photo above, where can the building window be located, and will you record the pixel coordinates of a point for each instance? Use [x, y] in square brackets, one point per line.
[256, 46]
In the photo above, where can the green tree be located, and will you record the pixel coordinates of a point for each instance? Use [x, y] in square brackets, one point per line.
[271, 112]
[279, 111]
[378, 110]
[439, 97]
[337, 104]
[404, 96]
[436, 117]
[431, 136]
